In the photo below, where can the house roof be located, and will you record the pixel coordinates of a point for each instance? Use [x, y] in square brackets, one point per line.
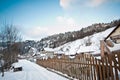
[49, 49]
[112, 32]
[59, 52]
[87, 49]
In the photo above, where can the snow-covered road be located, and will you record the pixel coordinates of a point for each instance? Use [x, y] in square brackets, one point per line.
[31, 71]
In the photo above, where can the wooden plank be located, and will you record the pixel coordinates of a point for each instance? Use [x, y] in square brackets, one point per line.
[118, 54]
[111, 68]
[85, 74]
[60, 65]
[88, 71]
[85, 68]
[100, 71]
[91, 67]
[107, 67]
[94, 68]
[103, 68]
[80, 72]
[102, 48]
[76, 68]
[97, 69]
[115, 66]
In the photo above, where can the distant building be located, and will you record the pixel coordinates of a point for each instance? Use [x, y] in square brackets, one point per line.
[59, 54]
[49, 52]
[32, 51]
[87, 49]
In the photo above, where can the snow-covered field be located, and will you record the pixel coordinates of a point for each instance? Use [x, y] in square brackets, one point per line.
[31, 71]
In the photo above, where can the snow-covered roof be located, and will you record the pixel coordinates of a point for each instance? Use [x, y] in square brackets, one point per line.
[71, 57]
[116, 45]
[59, 52]
[112, 31]
[33, 48]
[48, 49]
[42, 55]
[96, 52]
[16, 65]
[87, 49]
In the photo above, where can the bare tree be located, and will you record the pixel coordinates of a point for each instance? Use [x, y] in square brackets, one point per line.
[9, 35]
[87, 41]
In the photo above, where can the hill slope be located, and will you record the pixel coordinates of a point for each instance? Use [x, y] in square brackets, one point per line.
[87, 44]
[54, 41]
[62, 38]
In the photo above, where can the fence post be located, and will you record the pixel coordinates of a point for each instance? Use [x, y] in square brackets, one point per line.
[111, 68]
[102, 48]
[115, 64]
[103, 67]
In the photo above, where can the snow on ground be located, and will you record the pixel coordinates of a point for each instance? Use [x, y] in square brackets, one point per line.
[31, 71]
[78, 46]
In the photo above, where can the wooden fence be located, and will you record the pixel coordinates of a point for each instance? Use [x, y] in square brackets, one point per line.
[85, 66]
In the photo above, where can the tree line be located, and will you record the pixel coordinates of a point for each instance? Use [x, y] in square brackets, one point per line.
[62, 38]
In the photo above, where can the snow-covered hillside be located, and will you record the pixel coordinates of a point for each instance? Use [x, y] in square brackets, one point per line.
[56, 40]
[80, 45]
[31, 71]
[89, 44]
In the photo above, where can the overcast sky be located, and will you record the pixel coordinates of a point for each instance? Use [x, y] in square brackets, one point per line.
[39, 18]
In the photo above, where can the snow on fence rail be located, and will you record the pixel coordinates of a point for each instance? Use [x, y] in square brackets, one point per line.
[85, 66]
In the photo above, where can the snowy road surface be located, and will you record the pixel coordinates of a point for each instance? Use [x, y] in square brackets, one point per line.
[31, 71]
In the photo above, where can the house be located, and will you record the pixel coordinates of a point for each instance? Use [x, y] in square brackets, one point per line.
[59, 54]
[32, 51]
[87, 49]
[115, 35]
[49, 52]
[112, 42]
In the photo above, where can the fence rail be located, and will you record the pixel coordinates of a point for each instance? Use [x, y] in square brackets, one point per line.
[85, 66]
